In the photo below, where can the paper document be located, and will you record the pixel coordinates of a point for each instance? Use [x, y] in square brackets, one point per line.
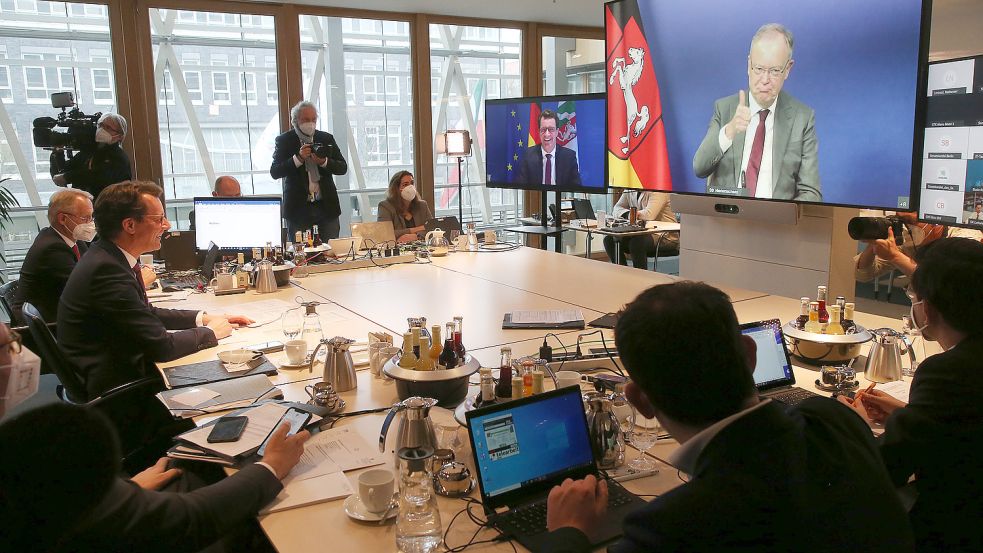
[334, 450]
[264, 311]
[898, 389]
[312, 490]
[194, 396]
[547, 316]
[262, 419]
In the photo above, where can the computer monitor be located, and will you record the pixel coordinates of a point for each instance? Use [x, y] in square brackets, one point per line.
[237, 223]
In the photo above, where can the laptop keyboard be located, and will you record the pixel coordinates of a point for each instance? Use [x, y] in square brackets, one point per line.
[531, 519]
[626, 228]
[183, 280]
[793, 395]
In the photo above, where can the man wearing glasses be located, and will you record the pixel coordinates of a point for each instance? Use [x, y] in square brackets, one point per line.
[106, 326]
[95, 167]
[549, 163]
[54, 253]
[762, 145]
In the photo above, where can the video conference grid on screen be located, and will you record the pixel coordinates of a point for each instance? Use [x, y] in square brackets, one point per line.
[841, 131]
[220, 220]
[521, 144]
[952, 170]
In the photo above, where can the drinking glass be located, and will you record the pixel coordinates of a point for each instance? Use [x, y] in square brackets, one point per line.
[292, 322]
[644, 434]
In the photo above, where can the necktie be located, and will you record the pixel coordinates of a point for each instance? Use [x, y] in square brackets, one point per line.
[139, 277]
[757, 149]
[549, 169]
[75, 249]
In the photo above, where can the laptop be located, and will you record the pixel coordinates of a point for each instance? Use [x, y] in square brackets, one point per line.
[522, 449]
[773, 375]
[583, 209]
[178, 251]
[446, 224]
[374, 233]
[202, 277]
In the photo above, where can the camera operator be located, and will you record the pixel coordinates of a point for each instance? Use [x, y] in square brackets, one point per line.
[93, 168]
[884, 255]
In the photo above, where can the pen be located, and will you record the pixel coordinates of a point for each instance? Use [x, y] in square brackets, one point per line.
[860, 395]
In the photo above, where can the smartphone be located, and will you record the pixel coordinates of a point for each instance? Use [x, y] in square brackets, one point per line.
[266, 347]
[227, 429]
[295, 417]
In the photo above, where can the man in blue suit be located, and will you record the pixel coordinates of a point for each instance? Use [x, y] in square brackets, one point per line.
[549, 163]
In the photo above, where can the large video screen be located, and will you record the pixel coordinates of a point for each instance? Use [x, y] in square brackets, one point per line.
[952, 170]
[832, 84]
[546, 143]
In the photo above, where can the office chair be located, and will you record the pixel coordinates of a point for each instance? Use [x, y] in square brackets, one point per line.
[7, 293]
[669, 251]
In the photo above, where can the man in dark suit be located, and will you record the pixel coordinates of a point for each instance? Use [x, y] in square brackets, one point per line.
[549, 163]
[55, 251]
[763, 476]
[62, 490]
[105, 324]
[763, 144]
[306, 159]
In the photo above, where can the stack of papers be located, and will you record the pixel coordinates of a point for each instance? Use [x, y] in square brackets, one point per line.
[194, 443]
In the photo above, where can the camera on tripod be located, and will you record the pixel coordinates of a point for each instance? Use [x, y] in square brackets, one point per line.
[79, 128]
[876, 228]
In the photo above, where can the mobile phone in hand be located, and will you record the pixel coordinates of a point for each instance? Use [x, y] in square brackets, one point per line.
[227, 429]
[295, 417]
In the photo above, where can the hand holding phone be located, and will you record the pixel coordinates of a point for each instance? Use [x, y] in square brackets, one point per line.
[296, 418]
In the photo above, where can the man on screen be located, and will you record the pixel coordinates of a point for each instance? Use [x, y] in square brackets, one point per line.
[762, 144]
[549, 163]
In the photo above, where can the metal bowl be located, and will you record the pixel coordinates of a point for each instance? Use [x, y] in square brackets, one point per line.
[825, 348]
[447, 386]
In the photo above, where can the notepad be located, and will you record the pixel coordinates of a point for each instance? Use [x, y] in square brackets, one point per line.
[544, 318]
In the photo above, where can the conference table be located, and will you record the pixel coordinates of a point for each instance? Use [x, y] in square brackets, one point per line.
[481, 286]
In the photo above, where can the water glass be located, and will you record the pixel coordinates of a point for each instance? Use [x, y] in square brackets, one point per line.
[644, 434]
[292, 322]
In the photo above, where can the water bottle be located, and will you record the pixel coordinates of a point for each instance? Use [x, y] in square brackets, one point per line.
[917, 344]
[311, 330]
[418, 528]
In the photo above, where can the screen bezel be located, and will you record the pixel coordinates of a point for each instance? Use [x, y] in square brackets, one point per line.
[914, 193]
[777, 383]
[603, 189]
[244, 199]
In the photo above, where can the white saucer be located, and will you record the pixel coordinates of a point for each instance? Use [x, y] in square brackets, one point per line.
[289, 365]
[356, 510]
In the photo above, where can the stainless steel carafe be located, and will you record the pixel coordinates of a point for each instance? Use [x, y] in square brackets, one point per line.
[339, 369]
[606, 437]
[415, 428]
[884, 358]
[265, 279]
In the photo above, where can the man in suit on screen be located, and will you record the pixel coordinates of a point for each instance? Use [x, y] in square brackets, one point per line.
[549, 163]
[762, 144]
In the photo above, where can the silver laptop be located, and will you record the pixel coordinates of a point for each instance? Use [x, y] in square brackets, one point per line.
[773, 375]
[374, 233]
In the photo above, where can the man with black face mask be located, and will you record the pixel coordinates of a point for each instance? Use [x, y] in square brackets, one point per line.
[94, 168]
[55, 252]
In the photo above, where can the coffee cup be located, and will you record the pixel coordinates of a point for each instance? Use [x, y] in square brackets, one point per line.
[375, 358]
[322, 394]
[147, 260]
[225, 281]
[385, 354]
[567, 378]
[461, 242]
[375, 489]
[602, 219]
[490, 237]
[296, 351]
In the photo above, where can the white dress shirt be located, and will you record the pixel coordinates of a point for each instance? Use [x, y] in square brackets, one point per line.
[552, 166]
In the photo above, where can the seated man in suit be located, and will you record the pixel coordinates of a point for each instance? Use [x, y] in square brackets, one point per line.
[763, 144]
[761, 473]
[62, 490]
[226, 186]
[55, 251]
[549, 163]
[106, 326]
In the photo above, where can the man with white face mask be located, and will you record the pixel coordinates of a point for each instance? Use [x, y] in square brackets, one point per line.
[306, 159]
[938, 435]
[20, 370]
[55, 252]
[94, 168]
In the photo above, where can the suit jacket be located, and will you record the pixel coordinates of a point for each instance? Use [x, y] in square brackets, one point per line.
[44, 274]
[94, 169]
[389, 212]
[133, 519]
[806, 478]
[106, 328]
[567, 170]
[296, 180]
[938, 438]
[795, 166]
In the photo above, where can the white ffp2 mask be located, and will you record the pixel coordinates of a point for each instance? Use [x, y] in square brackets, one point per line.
[408, 193]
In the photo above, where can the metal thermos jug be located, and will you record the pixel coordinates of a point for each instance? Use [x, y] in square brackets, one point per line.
[265, 279]
[884, 358]
[415, 428]
[339, 369]
[606, 437]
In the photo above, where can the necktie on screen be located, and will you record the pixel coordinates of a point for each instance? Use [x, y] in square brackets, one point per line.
[75, 250]
[137, 274]
[549, 169]
[757, 149]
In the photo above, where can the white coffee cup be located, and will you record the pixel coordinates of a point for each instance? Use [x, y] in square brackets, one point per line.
[385, 354]
[567, 378]
[461, 242]
[225, 281]
[602, 219]
[375, 358]
[296, 351]
[375, 489]
[147, 260]
[490, 237]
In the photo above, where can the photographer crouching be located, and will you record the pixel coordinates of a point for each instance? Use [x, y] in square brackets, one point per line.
[891, 243]
[95, 165]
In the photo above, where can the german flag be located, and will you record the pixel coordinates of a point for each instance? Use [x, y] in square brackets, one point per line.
[637, 153]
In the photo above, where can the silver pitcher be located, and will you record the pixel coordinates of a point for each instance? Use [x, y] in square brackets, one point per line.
[265, 279]
[606, 437]
[884, 358]
[339, 369]
[415, 428]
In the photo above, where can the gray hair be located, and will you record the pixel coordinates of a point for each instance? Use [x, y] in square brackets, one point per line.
[775, 28]
[116, 118]
[295, 111]
[63, 200]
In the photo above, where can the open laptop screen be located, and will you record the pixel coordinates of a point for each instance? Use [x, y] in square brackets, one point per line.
[773, 367]
[530, 441]
[237, 223]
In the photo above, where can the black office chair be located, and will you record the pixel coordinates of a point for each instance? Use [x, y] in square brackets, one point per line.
[7, 293]
[144, 424]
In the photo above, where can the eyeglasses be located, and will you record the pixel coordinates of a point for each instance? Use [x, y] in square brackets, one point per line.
[87, 219]
[773, 72]
[544, 130]
[13, 343]
[158, 218]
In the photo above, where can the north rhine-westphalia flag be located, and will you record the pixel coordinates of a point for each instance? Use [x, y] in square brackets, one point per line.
[637, 153]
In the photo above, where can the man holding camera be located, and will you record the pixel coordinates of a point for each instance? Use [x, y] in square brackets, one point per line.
[93, 168]
[884, 255]
[306, 159]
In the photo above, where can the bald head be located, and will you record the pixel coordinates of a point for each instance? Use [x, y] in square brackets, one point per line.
[226, 187]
